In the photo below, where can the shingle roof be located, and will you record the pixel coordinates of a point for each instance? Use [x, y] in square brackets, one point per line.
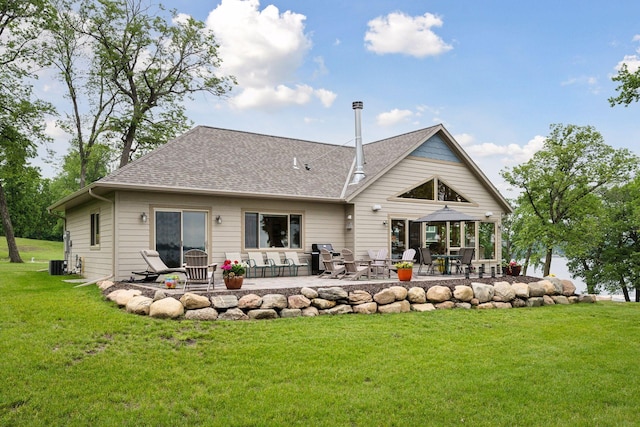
[220, 160]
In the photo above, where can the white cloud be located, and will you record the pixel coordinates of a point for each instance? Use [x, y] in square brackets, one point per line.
[632, 61]
[464, 139]
[636, 38]
[393, 117]
[263, 49]
[325, 96]
[508, 154]
[400, 33]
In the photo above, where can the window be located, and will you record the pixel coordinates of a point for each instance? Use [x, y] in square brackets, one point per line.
[262, 230]
[426, 191]
[95, 229]
[487, 240]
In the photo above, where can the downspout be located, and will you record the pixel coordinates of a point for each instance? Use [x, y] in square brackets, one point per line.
[113, 227]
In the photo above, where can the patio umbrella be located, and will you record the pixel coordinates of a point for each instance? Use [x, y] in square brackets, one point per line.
[446, 214]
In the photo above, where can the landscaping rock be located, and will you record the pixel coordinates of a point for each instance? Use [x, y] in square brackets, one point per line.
[463, 293]
[560, 299]
[276, 301]
[518, 303]
[122, 296]
[105, 284]
[309, 293]
[588, 298]
[290, 312]
[262, 313]
[298, 302]
[482, 292]
[557, 284]
[463, 305]
[323, 304]
[309, 312]
[547, 300]
[535, 302]
[417, 295]
[385, 296]
[400, 292]
[139, 305]
[568, 288]
[359, 297]
[536, 289]
[340, 309]
[521, 290]
[193, 301]
[207, 313]
[224, 302]
[249, 302]
[486, 306]
[333, 294]
[366, 308]
[438, 294]
[445, 305]
[503, 292]
[499, 304]
[395, 307]
[423, 307]
[160, 294]
[166, 308]
[549, 288]
[233, 314]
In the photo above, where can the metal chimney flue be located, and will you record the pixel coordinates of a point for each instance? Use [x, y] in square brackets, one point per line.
[358, 174]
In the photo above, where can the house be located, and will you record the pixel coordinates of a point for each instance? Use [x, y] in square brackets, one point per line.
[231, 191]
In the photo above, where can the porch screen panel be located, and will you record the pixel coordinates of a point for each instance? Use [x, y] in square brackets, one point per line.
[168, 240]
[487, 240]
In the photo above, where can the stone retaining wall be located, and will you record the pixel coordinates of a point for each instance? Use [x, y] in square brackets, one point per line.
[336, 300]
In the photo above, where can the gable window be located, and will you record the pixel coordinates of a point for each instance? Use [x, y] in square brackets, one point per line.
[95, 228]
[427, 191]
[270, 230]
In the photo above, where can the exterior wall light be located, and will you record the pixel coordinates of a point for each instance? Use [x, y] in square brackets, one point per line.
[144, 217]
[219, 219]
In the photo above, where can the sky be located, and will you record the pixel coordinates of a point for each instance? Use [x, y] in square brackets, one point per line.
[495, 73]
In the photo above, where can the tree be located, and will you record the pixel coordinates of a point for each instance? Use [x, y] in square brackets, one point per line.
[151, 65]
[558, 182]
[629, 87]
[21, 118]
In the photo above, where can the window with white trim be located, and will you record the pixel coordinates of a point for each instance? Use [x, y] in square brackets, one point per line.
[272, 230]
[95, 229]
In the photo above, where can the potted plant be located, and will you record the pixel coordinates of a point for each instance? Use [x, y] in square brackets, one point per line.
[511, 268]
[404, 269]
[233, 273]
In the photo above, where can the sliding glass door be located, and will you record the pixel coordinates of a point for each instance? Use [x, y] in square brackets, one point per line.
[178, 231]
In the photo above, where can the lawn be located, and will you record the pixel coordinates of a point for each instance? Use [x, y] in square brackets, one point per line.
[71, 358]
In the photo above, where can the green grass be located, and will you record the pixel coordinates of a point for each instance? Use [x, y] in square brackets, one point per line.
[39, 251]
[68, 357]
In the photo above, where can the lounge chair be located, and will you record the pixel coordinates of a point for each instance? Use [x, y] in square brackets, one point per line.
[426, 259]
[155, 266]
[276, 263]
[333, 268]
[256, 263]
[295, 264]
[354, 269]
[379, 262]
[198, 270]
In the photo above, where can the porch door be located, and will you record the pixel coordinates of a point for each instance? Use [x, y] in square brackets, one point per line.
[177, 232]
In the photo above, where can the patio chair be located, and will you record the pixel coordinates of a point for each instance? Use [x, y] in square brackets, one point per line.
[354, 269]
[155, 266]
[257, 263]
[408, 255]
[295, 264]
[466, 258]
[426, 259]
[379, 262]
[198, 270]
[276, 262]
[333, 268]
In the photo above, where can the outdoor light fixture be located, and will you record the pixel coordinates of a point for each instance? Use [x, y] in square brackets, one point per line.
[376, 208]
[219, 219]
[144, 217]
[488, 214]
[385, 223]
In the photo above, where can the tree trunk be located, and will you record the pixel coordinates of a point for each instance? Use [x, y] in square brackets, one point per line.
[625, 292]
[14, 255]
[547, 262]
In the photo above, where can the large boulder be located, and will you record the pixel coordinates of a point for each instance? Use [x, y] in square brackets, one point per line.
[193, 301]
[400, 292]
[395, 307]
[385, 296]
[586, 298]
[323, 304]
[549, 287]
[463, 293]
[105, 284]
[560, 299]
[503, 292]
[298, 302]
[122, 296]
[309, 293]
[310, 312]
[359, 297]
[557, 285]
[438, 294]
[482, 292]
[445, 305]
[416, 295]
[250, 302]
[139, 305]
[568, 288]
[224, 302]
[262, 313]
[340, 309]
[166, 308]
[207, 313]
[423, 307]
[521, 290]
[275, 301]
[333, 294]
[233, 314]
[365, 308]
[535, 302]
[290, 312]
[536, 289]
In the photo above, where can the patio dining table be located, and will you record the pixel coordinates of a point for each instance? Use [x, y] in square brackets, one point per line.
[447, 261]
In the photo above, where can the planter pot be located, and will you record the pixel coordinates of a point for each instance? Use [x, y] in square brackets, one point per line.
[512, 271]
[233, 282]
[404, 274]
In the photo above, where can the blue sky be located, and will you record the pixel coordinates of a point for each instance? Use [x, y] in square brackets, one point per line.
[495, 73]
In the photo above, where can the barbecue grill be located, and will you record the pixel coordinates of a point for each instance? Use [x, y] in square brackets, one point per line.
[316, 266]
